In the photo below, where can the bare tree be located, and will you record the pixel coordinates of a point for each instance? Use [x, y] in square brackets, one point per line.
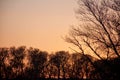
[100, 28]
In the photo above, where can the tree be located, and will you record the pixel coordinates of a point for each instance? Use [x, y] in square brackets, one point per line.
[16, 61]
[51, 69]
[100, 28]
[77, 66]
[81, 66]
[59, 60]
[98, 33]
[3, 56]
[37, 62]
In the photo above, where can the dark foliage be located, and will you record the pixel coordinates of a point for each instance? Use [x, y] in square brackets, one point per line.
[21, 63]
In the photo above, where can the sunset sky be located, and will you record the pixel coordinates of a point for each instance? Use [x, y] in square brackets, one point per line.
[36, 23]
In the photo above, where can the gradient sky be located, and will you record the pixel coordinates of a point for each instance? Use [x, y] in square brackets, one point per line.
[36, 23]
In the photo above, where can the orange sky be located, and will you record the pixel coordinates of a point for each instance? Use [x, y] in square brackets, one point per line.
[36, 23]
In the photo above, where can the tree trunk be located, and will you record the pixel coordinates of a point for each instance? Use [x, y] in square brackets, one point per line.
[58, 73]
[63, 72]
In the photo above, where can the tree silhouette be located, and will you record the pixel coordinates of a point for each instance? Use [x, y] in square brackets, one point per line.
[59, 60]
[3, 56]
[99, 31]
[82, 67]
[50, 67]
[86, 65]
[16, 61]
[61, 65]
[77, 68]
[37, 62]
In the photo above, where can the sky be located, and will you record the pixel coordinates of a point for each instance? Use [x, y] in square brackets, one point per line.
[36, 23]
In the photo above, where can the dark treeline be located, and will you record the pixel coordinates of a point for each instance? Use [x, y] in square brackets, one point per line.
[22, 63]
[99, 33]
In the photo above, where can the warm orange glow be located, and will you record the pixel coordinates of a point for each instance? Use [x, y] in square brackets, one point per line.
[36, 23]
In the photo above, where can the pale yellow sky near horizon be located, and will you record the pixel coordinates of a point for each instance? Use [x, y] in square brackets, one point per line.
[36, 23]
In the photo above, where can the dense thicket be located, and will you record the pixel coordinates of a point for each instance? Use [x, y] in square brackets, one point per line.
[22, 63]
